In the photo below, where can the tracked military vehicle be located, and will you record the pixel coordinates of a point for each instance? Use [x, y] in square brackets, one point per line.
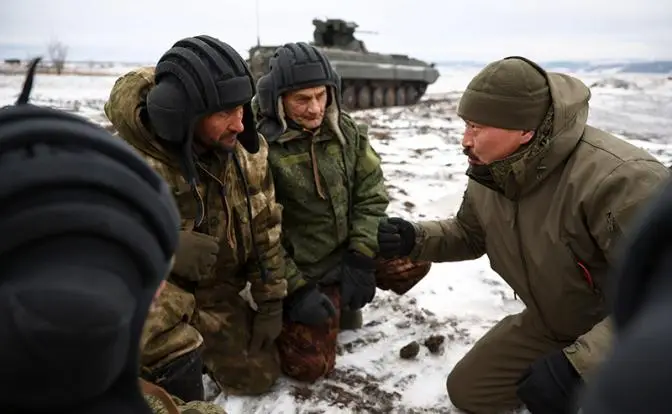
[369, 79]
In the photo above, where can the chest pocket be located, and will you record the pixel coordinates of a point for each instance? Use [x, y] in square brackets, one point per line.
[332, 170]
[260, 221]
[186, 204]
[293, 178]
[297, 175]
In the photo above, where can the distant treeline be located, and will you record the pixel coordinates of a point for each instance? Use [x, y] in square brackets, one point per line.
[655, 66]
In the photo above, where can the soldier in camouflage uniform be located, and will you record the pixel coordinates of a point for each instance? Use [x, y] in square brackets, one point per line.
[158, 399]
[329, 180]
[190, 117]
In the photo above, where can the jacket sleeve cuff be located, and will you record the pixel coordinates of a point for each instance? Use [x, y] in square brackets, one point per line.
[362, 248]
[590, 348]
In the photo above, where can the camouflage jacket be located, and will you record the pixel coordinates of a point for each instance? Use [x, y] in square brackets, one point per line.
[160, 402]
[224, 195]
[331, 185]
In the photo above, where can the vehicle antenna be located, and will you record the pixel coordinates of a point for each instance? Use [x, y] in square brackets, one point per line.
[257, 13]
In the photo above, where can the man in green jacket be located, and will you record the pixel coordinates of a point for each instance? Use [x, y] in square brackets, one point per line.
[329, 181]
[547, 200]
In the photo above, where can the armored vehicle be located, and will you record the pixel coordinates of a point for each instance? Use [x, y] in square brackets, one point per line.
[369, 79]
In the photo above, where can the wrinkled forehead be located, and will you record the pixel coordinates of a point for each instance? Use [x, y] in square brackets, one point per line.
[307, 93]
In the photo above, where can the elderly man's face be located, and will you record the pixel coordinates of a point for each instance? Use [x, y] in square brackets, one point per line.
[307, 106]
[484, 144]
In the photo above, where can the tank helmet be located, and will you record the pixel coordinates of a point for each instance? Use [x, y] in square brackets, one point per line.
[295, 66]
[196, 77]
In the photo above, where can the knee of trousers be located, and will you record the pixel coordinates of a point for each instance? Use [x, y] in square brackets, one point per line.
[458, 389]
[309, 370]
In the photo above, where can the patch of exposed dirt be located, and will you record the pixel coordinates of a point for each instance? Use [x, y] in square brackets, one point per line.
[350, 389]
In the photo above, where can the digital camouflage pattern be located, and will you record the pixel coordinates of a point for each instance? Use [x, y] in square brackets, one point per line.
[168, 331]
[160, 402]
[222, 316]
[308, 353]
[400, 274]
[332, 188]
[331, 185]
[551, 226]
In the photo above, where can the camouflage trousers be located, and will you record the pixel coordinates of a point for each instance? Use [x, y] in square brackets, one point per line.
[222, 322]
[307, 352]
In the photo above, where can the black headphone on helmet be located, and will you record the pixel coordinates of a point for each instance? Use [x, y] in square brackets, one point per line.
[198, 76]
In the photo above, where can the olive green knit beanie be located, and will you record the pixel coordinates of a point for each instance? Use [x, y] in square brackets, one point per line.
[511, 93]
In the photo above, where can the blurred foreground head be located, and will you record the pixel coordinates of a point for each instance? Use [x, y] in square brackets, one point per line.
[637, 375]
[88, 231]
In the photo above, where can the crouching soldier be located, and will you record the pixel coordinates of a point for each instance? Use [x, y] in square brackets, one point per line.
[548, 199]
[329, 180]
[190, 117]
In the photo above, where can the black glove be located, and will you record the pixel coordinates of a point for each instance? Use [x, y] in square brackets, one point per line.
[309, 306]
[181, 377]
[547, 386]
[396, 237]
[358, 280]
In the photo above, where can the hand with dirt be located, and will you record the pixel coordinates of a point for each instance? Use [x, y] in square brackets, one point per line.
[309, 306]
[358, 280]
[195, 256]
[396, 237]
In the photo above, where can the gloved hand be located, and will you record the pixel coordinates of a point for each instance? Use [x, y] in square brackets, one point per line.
[182, 377]
[547, 386]
[266, 325]
[309, 306]
[358, 280]
[195, 256]
[396, 237]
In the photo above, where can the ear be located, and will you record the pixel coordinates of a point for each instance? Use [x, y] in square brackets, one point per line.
[526, 136]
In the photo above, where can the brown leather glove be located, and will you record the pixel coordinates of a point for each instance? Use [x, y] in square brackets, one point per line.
[196, 255]
[266, 326]
[400, 275]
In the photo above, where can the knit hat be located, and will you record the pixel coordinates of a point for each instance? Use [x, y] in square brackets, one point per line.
[511, 93]
[89, 230]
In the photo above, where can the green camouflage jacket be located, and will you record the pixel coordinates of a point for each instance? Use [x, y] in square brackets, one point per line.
[331, 186]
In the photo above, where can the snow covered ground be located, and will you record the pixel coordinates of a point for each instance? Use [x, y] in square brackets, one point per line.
[457, 302]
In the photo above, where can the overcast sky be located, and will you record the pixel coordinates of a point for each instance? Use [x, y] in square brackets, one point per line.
[140, 30]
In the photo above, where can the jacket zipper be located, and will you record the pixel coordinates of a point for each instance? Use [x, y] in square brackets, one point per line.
[585, 272]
